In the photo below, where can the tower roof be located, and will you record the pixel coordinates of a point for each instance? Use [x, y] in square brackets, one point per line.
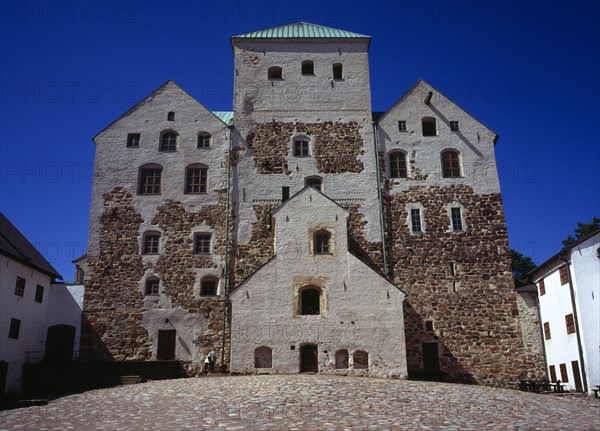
[301, 30]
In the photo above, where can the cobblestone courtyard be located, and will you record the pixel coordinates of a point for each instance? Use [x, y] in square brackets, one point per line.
[306, 402]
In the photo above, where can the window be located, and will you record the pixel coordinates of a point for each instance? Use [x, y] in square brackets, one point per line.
[570, 323]
[457, 224]
[564, 376]
[454, 126]
[168, 141]
[275, 72]
[450, 164]
[542, 286]
[341, 359]
[308, 68]
[552, 374]
[547, 335]
[429, 126]
[152, 286]
[171, 116]
[151, 242]
[196, 179]
[203, 140]
[315, 183]
[133, 140]
[429, 325]
[322, 239]
[564, 275]
[263, 357]
[39, 293]
[20, 286]
[150, 176]
[361, 360]
[202, 243]
[402, 126]
[208, 286]
[301, 147]
[398, 165]
[285, 193]
[338, 71]
[15, 326]
[310, 301]
[415, 220]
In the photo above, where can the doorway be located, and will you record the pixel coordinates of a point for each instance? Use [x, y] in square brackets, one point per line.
[577, 376]
[60, 341]
[166, 344]
[309, 359]
[431, 361]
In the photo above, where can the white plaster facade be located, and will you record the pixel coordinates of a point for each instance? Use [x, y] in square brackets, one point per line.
[577, 294]
[359, 309]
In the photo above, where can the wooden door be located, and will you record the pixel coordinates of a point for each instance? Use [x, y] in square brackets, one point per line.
[431, 360]
[60, 341]
[309, 359]
[166, 344]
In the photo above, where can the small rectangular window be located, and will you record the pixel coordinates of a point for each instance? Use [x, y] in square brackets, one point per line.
[39, 293]
[151, 242]
[202, 243]
[415, 218]
[20, 286]
[453, 268]
[542, 286]
[133, 140]
[337, 71]
[196, 180]
[429, 325]
[547, 334]
[552, 373]
[457, 224]
[15, 327]
[301, 148]
[285, 193]
[152, 287]
[402, 126]
[454, 126]
[564, 376]
[564, 276]
[570, 322]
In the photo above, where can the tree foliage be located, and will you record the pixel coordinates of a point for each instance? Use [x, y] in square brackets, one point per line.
[521, 266]
[582, 230]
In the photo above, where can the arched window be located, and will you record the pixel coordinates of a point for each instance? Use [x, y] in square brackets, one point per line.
[315, 183]
[361, 360]
[275, 72]
[171, 116]
[208, 286]
[310, 301]
[168, 141]
[151, 242]
[196, 179]
[322, 242]
[301, 146]
[429, 126]
[341, 359]
[308, 68]
[398, 165]
[451, 164]
[263, 357]
[338, 71]
[203, 140]
[152, 284]
[149, 179]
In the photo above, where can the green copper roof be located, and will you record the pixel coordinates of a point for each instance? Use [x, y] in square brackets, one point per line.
[225, 116]
[301, 30]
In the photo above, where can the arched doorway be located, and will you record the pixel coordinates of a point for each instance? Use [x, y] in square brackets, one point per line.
[309, 359]
[59, 343]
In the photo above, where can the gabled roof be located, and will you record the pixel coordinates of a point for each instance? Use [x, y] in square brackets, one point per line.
[306, 189]
[301, 30]
[13, 244]
[225, 116]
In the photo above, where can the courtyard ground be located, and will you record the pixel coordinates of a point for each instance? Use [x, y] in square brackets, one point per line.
[306, 402]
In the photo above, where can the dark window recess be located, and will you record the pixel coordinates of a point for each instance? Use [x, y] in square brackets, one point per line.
[415, 218]
[310, 301]
[547, 334]
[542, 287]
[39, 293]
[152, 285]
[202, 243]
[402, 126]
[196, 180]
[564, 376]
[151, 241]
[552, 374]
[454, 126]
[429, 325]
[315, 183]
[570, 322]
[338, 71]
[398, 165]
[20, 286]
[168, 141]
[457, 224]
[564, 275]
[133, 140]
[308, 68]
[208, 287]
[150, 181]
[171, 116]
[429, 126]
[285, 193]
[15, 327]
[301, 148]
[204, 140]
[275, 72]
[322, 242]
[450, 164]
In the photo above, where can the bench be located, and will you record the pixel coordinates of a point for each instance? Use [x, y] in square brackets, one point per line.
[558, 388]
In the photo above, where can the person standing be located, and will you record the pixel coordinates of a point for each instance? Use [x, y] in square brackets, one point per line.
[212, 357]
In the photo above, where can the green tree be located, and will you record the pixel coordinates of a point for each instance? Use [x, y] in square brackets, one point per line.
[582, 230]
[521, 266]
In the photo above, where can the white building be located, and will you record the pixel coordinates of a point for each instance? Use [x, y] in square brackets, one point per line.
[569, 288]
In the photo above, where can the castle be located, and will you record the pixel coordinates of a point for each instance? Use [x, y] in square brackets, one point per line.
[303, 232]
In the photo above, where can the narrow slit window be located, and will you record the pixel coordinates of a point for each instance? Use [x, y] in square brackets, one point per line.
[338, 71]
[415, 219]
[457, 224]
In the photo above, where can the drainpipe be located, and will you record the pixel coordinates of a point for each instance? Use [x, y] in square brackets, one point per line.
[226, 269]
[376, 143]
[563, 257]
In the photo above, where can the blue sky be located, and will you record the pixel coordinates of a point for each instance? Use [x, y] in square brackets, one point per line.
[528, 70]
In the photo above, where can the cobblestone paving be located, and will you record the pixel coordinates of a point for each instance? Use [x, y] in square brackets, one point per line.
[306, 402]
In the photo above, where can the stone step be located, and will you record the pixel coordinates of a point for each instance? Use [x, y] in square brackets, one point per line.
[131, 380]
